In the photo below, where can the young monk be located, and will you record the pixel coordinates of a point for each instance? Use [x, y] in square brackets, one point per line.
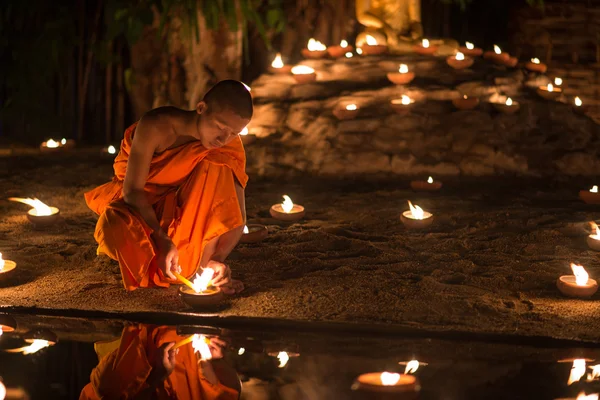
[176, 202]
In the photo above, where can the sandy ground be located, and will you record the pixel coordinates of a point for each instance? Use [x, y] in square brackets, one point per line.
[488, 264]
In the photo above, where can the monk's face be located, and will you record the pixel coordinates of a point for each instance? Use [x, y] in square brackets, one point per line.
[218, 128]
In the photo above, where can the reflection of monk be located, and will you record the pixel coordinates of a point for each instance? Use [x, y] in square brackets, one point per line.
[395, 22]
[144, 365]
[177, 197]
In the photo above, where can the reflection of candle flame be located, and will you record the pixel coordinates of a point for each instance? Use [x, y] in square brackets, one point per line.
[595, 372]
[302, 70]
[277, 61]
[40, 208]
[497, 49]
[350, 55]
[403, 69]
[287, 204]
[343, 43]
[416, 211]
[425, 43]
[351, 107]
[34, 347]
[200, 345]
[201, 282]
[509, 101]
[371, 41]
[469, 45]
[459, 56]
[581, 275]
[283, 358]
[535, 60]
[578, 101]
[411, 367]
[577, 370]
[594, 189]
[389, 378]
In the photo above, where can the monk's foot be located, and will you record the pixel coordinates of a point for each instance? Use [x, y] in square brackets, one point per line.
[233, 288]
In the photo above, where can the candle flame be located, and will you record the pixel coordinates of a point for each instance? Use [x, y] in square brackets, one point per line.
[1, 331]
[2, 391]
[581, 275]
[550, 87]
[416, 211]
[244, 131]
[315, 45]
[595, 372]
[459, 56]
[509, 102]
[350, 55]
[277, 61]
[34, 347]
[411, 367]
[558, 81]
[578, 101]
[405, 99]
[246, 231]
[63, 141]
[430, 180]
[351, 107]
[577, 371]
[241, 351]
[287, 204]
[202, 282]
[302, 70]
[283, 358]
[497, 49]
[51, 144]
[359, 51]
[40, 208]
[469, 45]
[583, 396]
[425, 43]
[535, 60]
[343, 43]
[200, 345]
[389, 378]
[371, 41]
[1, 262]
[403, 68]
[111, 149]
[594, 189]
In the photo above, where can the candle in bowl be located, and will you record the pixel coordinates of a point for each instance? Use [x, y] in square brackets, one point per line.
[40, 214]
[200, 293]
[469, 49]
[246, 137]
[416, 217]
[425, 48]
[578, 106]
[536, 66]
[254, 233]
[304, 74]
[465, 102]
[388, 383]
[497, 55]
[314, 49]
[349, 111]
[287, 211]
[7, 268]
[402, 77]
[508, 107]
[52, 145]
[341, 50]
[403, 105]
[549, 92]
[577, 285]
[590, 196]
[426, 186]
[459, 61]
[7, 324]
[278, 67]
[593, 240]
[372, 48]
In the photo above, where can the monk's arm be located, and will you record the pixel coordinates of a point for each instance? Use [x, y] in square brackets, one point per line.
[230, 239]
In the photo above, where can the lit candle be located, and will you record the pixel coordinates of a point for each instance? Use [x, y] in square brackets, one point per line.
[593, 240]
[403, 69]
[349, 111]
[402, 77]
[343, 44]
[425, 47]
[52, 145]
[351, 107]
[37, 340]
[371, 41]
[349, 54]
[200, 292]
[303, 74]
[372, 47]
[469, 45]
[508, 107]
[549, 92]
[241, 351]
[386, 382]
[283, 358]
[496, 55]
[254, 233]
[578, 102]
[577, 285]
[425, 43]
[277, 61]
[459, 61]
[314, 49]
[577, 371]
[416, 217]
[7, 323]
[426, 186]
[7, 267]
[536, 66]
[465, 102]
[41, 213]
[469, 49]
[590, 196]
[287, 210]
[338, 51]
[111, 149]
[402, 105]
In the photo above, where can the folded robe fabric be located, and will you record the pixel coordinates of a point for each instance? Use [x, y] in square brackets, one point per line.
[122, 374]
[192, 191]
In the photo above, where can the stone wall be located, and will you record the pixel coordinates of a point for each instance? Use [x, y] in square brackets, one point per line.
[296, 131]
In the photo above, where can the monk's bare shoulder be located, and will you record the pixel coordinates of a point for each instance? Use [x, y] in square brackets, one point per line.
[157, 126]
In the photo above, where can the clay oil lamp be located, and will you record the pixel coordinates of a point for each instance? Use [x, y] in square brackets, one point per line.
[425, 48]
[593, 240]
[459, 61]
[7, 324]
[40, 214]
[416, 218]
[287, 211]
[497, 55]
[52, 145]
[314, 49]
[470, 50]
[508, 107]
[402, 77]
[254, 233]
[549, 92]
[278, 67]
[578, 106]
[510, 62]
[304, 74]
[590, 196]
[403, 105]
[7, 268]
[349, 111]
[536, 66]
[246, 137]
[465, 102]
[394, 385]
[372, 48]
[577, 285]
[341, 50]
[426, 186]
[200, 293]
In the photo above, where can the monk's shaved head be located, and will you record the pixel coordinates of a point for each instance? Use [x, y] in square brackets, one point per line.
[232, 96]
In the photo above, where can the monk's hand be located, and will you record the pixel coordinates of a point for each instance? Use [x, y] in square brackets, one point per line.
[164, 363]
[167, 255]
[222, 276]
[216, 347]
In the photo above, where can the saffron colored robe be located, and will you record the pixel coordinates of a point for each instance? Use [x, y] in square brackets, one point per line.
[192, 191]
[122, 373]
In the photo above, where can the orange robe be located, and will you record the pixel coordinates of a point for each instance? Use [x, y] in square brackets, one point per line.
[122, 373]
[192, 191]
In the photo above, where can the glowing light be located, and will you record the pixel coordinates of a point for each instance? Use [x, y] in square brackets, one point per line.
[1, 331]
[277, 61]
[403, 69]
[201, 282]
[469, 45]
[550, 88]
[595, 372]
[51, 144]
[343, 43]
[244, 131]
[497, 49]
[247, 87]
[389, 378]
[283, 358]
[2, 391]
[430, 180]
[411, 367]
[583, 396]
[371, 41]
[241, 351]
[509, 102]
[40, 208]
[406, 100]
[350, 55]
[36, 346]
[459, 56]
[594, 189]
[63, 141]
[315, 45]
[351, 107]
[359, 51]
[558, 81]
[200, 345]
[1, 262]
[111, 149]
[595, 236]
[302, 70]
[581, 275]
[535, 60]
[425, 43]
[578, 101]
[416, 211]
[287, 204]
[577, 370]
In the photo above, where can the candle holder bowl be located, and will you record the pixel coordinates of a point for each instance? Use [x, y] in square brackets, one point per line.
[305, 78]
[43, 220]
[9, 269]
[475, 52]
[338, 51]
[8, 323]
[504, 109]
[406, 387]
[343, 114]
[296, 214]
[511, 62]
[315, 54]
[493, 56]
[69, 144]
[566, 284]
[209, 298]
[593, 243]
[402, 109]
[425, 51]
[398, 78]
[465, 104]
[41, 334]
[286, 69]
[459, 64]
[545, 94]
[256, 233]
[589, 197]
[533, 67]
[412, 223]
[581, 110]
